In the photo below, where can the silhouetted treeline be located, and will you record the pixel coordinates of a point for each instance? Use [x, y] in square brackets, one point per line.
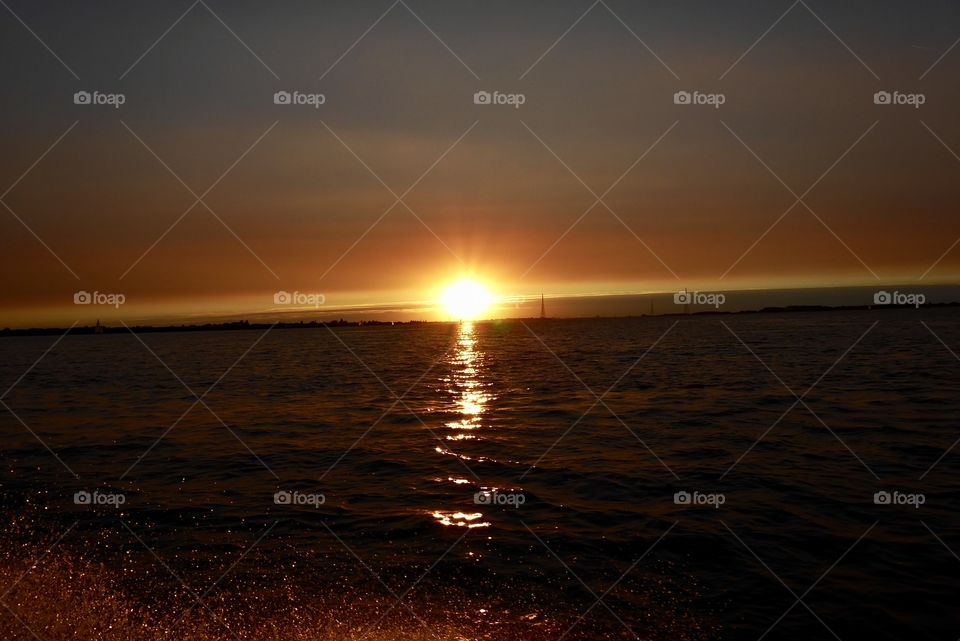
[242, 325]
[205, 327]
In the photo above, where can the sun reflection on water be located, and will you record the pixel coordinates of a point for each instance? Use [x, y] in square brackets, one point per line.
[464, 384]
[469, 401]
[460, 519]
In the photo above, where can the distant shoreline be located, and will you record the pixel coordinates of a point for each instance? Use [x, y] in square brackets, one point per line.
[247, 325]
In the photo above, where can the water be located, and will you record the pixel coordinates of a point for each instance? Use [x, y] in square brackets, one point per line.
[400, 427]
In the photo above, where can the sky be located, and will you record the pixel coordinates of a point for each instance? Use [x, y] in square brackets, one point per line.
[199, 197]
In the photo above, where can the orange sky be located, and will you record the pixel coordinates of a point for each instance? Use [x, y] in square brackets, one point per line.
[302, 207]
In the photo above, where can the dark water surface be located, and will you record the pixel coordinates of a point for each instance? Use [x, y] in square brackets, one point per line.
[585, 442]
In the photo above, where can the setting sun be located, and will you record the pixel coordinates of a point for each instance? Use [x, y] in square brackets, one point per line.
[466, 299]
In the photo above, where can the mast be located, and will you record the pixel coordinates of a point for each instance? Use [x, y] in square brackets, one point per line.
[543, 307]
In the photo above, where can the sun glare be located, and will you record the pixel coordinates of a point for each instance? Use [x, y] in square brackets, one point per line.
[466, 300]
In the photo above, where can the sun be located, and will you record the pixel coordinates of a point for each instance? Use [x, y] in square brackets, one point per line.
[466, 299]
